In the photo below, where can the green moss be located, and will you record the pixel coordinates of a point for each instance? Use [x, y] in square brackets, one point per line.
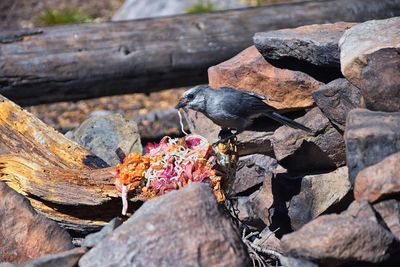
[51, 17]
[200, 7]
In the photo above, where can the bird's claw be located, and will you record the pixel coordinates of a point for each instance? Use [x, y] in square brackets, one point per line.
[224, 136]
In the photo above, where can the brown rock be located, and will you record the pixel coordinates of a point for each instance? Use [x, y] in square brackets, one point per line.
[68, 258]
[332, 240]
[389, 210]
[379, 181]
[248, 142]
[298, 150]
[263, 201]
[361, 210]
[370, 137]
[336, 99]
[181, 228]
[316, 44]
[370, 56]
[24, 234]
[271, 202]
[249, 71]
[251, 171]
[318, 194]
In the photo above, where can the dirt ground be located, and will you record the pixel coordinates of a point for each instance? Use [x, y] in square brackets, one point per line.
[66, 116]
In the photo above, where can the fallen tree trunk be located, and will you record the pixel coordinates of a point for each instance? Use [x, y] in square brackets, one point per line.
[61, 179]
[91, 60]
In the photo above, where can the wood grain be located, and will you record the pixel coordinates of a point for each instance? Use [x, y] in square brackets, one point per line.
[62, 180]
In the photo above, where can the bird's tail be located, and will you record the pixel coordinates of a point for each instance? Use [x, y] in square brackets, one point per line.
[286, 121]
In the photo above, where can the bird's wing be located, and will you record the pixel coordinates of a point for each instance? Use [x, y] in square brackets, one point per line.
[246, 92]
[243, 104]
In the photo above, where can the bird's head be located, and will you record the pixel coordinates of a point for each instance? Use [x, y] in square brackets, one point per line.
[194, 98]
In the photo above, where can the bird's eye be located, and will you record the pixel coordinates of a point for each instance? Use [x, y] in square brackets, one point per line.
[190, 97]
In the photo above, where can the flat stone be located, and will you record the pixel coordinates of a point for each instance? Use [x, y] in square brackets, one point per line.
[300, 151]
[370, 57]
[68, 258]
[25, 234]
[370, 137]
[251, 171]
[249, 71]
[389, 211]
[332, 240]
[316, 44]
[181, 228]
[379, 181]
[336, 99]
[318, 194]
[102, 135]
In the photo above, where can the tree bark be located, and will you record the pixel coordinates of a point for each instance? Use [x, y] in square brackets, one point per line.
[62, 180]
[98, 59]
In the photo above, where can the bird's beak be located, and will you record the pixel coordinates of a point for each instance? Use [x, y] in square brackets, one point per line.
[181, 104]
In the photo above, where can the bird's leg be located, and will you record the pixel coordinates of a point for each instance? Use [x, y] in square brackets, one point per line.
[225, 135]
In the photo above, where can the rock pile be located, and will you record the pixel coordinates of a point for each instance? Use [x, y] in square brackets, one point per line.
[327, 198]
[336, 199]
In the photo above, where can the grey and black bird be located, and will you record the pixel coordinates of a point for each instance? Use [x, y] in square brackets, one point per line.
[231, 108]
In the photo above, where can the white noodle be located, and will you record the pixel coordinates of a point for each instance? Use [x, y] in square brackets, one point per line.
[181, 123]
[124, 196]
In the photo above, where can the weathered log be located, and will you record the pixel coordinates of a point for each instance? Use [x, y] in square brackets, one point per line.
[91, 60]
[62, 180]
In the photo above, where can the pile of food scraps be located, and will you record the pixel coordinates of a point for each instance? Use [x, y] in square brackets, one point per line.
[169, 165]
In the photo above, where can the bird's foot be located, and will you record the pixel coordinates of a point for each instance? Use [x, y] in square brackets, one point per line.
[224, 136]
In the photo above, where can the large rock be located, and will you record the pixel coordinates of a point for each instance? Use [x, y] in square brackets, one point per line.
[316, 44]
[336, 99]
[102, 135]
[361, 210]
[318, 194]
[136, 9]
[249, 71]
[251, 171]
[389, 211]
[370, 137]
[370, 57]
[248, 142]
[94, 239]
[182, 228]
[332, 240]
[68, 258]
[24, 234]
[297, 150]
[379, 181]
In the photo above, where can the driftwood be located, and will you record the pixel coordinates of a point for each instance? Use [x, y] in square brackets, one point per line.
[60, 178]
[91, 60]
